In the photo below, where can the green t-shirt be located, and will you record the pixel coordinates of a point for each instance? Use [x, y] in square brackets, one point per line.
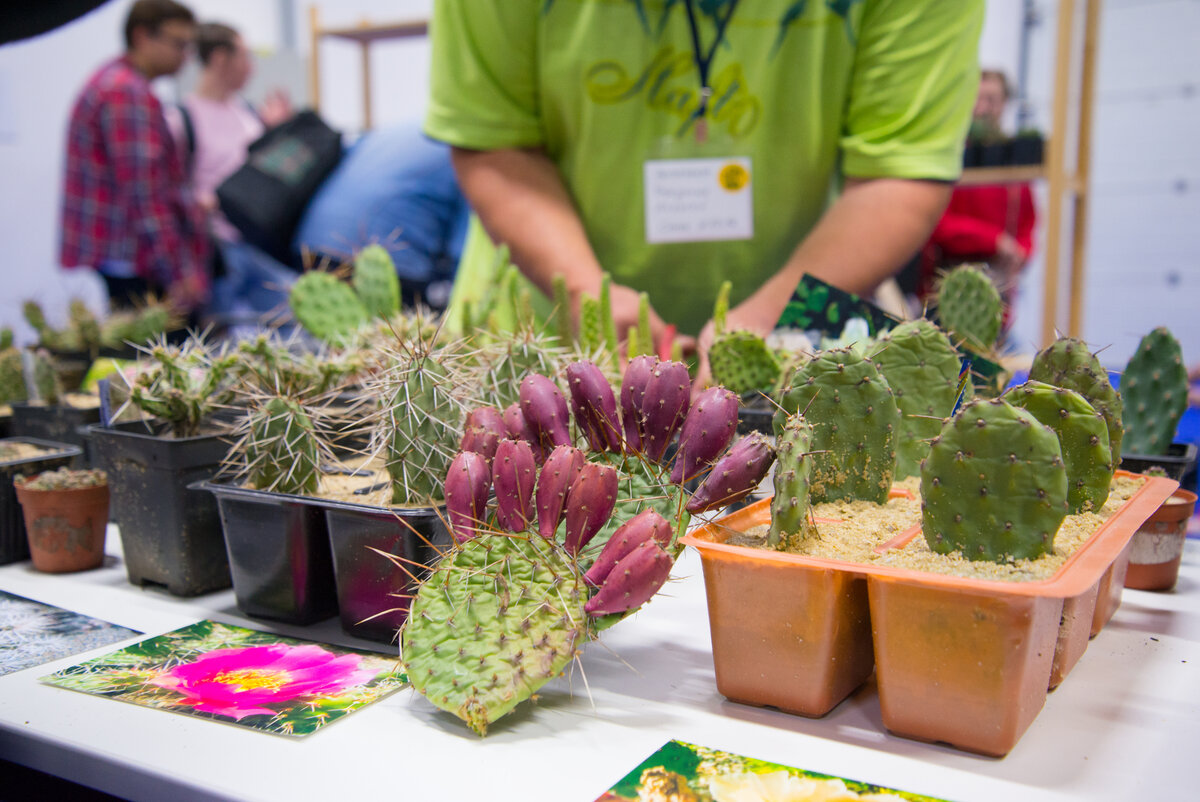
[808, 90]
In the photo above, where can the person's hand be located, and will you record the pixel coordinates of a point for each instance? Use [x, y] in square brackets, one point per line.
[1010, 256]
[757, 314]
[276, 108]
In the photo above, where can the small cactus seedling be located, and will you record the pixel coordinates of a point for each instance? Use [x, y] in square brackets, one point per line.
[327, 307]
[183, 385]
[12, 372]
[1069, 364]
[740, 360]
[46, 383]
[375, 281]
[282, 447]
[789, 505]
[921, 366]
[1082, 437]
[994, 486]
[62, 479]
[1154, 390]
[854, 418]
[970, 308]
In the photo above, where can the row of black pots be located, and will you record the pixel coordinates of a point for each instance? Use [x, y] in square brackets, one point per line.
[58, 423]
[1020, 151]
[14, 544]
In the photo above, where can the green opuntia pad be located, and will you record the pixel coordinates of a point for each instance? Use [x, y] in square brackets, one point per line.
[742, 362]
[12, 377]
[499, 617]
[424, 423]
[1154, 389]
[854, 418]
[970, 308]
[45, 377]
[994, 486]
[376, 282]
[1069, 364]
[327, 307]
[921, 366]
[793, 463]
[1082, 437]
[282, 448]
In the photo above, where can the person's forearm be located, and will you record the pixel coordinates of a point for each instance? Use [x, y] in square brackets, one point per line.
[522, 202]
[865, 237]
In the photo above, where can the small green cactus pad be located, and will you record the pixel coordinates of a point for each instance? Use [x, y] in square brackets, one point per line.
[45, 377]
[1068, 363]
[591, 329]
[12, 377]
[1082, 437]
[921, 366]
[742, 362]
[1154, 390]
[283, 451]
[854, 418]
[376, 282]
[793, 463]
[497, 619]
[994, 486]
[326, 307]
[424, 426]
[970, 308]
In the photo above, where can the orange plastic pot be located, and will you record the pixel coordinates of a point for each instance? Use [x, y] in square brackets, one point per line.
[66, 528]
[1157, 547]
[964, 661]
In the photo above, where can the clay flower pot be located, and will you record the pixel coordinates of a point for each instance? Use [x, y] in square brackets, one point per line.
[66, 527]
[1158, 545]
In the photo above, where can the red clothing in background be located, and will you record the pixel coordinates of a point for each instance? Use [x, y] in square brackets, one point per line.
[125, 195]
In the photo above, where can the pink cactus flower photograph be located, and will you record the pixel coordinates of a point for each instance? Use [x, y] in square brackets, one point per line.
[240, 682]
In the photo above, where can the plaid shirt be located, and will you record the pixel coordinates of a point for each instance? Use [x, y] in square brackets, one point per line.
[125, 197]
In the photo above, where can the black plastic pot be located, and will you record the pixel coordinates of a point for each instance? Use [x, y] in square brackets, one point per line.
[14, 545]
[1179, 463]
[6, 425]
[371, 588]
[1026, 150]
[57, 423]
[993, 154]
[171, 535]
[971, 155]
[756, 414]
[279, 556]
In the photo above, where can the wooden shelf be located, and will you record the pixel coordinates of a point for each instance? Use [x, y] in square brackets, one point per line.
[366, 33]
[1002, 175]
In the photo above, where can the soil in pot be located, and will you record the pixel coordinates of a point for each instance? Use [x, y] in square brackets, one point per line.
[66, 528]
[1157, 547]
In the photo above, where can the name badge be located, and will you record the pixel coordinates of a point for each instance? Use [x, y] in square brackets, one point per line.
[698, 200]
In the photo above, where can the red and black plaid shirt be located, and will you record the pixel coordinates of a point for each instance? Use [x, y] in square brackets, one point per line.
[125, 197]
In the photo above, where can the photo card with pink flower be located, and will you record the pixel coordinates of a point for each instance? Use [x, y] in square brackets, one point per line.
[240, 676]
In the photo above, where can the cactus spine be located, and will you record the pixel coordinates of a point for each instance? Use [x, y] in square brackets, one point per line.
[1154, 391]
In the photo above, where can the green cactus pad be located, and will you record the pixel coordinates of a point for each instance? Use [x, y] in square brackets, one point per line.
[591, 329]
[510, 359]
[424, 427]
[326, 307]
[793, 463]
[45, 378]
[497, 619]
[970, 308]
[1154, 390]
[921, 366]
[855, 420]
[1082, 437]
[742, 362]
[376, 282]
[12, 377]
[283, 451]
[994, 486]
[1069, 364]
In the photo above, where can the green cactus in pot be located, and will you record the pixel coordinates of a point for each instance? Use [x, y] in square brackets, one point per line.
[1154, 393]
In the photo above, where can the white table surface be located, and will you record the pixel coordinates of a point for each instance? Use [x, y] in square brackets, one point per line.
[1125, 724]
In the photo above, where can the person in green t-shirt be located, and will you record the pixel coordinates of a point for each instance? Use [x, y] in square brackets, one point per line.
[679, 143]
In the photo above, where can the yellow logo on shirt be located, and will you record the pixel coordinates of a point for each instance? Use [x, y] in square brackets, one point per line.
[733, 177]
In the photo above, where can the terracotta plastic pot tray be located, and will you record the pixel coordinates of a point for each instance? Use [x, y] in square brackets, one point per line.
[963, 661]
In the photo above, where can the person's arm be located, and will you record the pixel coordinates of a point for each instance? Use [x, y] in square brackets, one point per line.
[520, 198]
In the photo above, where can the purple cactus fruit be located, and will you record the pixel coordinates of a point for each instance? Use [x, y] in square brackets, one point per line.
[710, 425]
[664, 406]
[590, 502]
[646, 525]
[558, 473]
[632, 581]
[594, 406]
[519, 429]
[734, 475]
[468, 483]
[545, 410]
[513, 475]
[633, 389]
[483, 430]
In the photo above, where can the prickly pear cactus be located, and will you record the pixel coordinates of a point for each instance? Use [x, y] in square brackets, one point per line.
[854, 418]
[793, 463]
[422, 429]
[1154, 390]
[327, 307]
[282, 448]
[970, 308]
[994, 486]
[45, 378]
[742, 362]
[376, 282]
[497, 619]
[511, 358]
[1082, 437]
[921, 366]
[1068, 363]
[12, 372]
